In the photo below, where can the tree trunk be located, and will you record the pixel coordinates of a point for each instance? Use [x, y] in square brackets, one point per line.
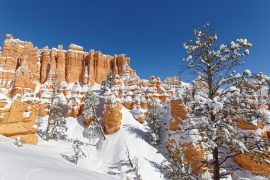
[216, 164]
[211, 95]
[47, 130]
[102, 132]
[49, 119]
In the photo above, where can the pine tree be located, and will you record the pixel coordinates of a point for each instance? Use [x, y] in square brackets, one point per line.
[134, 165]
[78, 153]
[220, 98]
[188, 93]
[135, 162]
[18, 141]
[56, 127]
[154, 122]
[176, 167]
[108, 82]
[91, 101]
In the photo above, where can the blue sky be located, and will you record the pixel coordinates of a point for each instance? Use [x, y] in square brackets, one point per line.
[149, 31]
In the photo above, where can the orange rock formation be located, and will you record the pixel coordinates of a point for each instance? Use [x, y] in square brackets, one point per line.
[112, 115]
[24, 67]
[19, 120]
[194, 155]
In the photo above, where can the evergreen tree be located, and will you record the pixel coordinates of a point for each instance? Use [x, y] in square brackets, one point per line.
[95, 129]
[153, 120]
[78, 153]
[108, 82]
[56, 128]
[91, 101]
[176, 167]
[221, 98]
[18, 141]
[134, 165]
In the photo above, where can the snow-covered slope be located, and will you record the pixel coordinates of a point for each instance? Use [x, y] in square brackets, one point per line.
[32, 162]
[112, 157]
[108, 162]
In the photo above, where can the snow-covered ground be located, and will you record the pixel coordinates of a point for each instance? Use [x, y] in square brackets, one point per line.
[48, 160]
[110, 161]
[33, 162]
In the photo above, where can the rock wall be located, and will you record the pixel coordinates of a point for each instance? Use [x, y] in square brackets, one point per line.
[19, 65]
[18, 119]
[42, 64]
[245, 160]
[27, 75]
[76, 65]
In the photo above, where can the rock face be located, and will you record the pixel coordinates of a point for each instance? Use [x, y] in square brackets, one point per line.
[20, 58]
[27, 75]
[18, 119]
[76, 65]
[112, 115]
[258, 130]
[194, 154]
[246, 162]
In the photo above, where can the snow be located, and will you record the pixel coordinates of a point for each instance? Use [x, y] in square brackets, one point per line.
[101, 163]
[75, 46]
[15, 40]
[233, 44]
[246, 51]
[247, 71]
[26, 114]
[2, 70]
[189, 58]
[44, 161]
[131, 136]
[127, 99]
[33, 162]
[3, 96]
[96, 87]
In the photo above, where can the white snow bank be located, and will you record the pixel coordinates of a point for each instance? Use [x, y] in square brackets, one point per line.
[32, 162]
